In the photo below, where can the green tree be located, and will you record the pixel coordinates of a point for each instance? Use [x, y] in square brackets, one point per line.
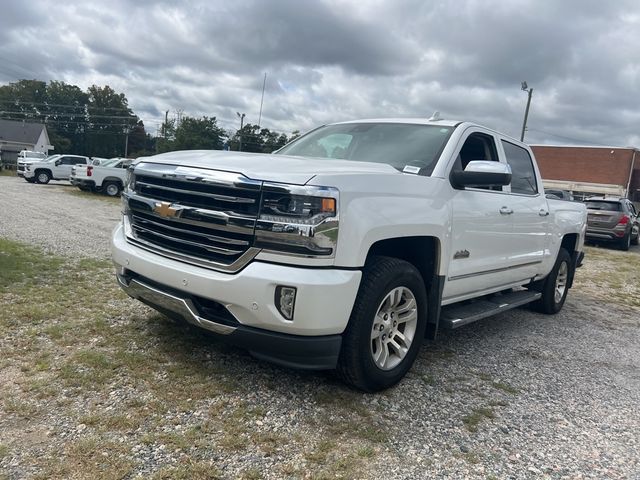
[258, 140]
[110, 119]
[198, 134]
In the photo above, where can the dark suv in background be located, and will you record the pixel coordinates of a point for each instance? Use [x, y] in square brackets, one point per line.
[612, 219]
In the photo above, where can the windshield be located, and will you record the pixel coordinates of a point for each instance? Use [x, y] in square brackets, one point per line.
[109, 163]
[406, 147]
[52, 158]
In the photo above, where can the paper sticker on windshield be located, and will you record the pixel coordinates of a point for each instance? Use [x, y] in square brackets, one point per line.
[411, 169]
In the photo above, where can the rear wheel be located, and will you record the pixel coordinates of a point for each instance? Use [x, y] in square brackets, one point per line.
[625, 242]
[43, 177]
[111, 188]
[635, 238]
[386, 327]
[556, 286]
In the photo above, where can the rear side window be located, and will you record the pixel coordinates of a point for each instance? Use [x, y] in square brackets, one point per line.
[602, 205]
[523, 179]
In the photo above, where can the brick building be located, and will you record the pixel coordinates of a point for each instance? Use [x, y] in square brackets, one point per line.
[589, 171]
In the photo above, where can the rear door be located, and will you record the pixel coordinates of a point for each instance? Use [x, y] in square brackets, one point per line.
[530, 216]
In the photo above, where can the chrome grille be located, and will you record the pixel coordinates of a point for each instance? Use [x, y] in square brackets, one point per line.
[199, 216]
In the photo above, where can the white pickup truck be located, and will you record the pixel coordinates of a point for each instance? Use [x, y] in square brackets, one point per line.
[349, 245]
[108, 176]
[55, 167]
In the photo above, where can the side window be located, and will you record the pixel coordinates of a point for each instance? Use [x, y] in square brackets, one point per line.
[523, 178]
[68, 161]
[477, 146]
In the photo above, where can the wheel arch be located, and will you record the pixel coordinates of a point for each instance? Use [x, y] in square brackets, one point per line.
[424, 253]
[112, 180]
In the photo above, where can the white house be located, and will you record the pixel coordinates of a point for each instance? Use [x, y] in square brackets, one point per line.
[17, 136]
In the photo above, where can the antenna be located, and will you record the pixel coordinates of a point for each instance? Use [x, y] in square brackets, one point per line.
[435, 117]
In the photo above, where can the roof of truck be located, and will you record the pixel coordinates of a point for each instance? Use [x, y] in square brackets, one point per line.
[417, 121]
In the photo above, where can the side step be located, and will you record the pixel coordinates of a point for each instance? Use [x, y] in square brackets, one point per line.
[456, 315]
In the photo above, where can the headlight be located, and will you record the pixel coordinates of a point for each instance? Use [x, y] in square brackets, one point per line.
[298, 220]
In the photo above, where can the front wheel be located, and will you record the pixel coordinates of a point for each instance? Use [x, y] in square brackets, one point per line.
[43, 177]
[556, 286]
[386, 327]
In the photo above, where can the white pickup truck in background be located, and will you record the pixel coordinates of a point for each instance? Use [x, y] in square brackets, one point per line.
[107, 177]
[55, 167]
[349, 245]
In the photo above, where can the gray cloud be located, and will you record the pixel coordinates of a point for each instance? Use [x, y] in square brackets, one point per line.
[338, 59]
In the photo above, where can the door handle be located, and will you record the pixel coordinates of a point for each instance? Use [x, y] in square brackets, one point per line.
[506, 211]
[543, 212]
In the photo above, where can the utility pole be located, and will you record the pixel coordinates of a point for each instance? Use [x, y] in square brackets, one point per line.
[241, 116]
[264, 83]
[166, 119]
[526, 88]
[126, 141]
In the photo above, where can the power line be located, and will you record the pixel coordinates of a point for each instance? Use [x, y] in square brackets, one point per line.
[62, 105]
[565, 138]
[67, 114]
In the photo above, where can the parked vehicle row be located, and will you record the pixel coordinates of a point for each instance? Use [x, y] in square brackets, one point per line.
[105, 175]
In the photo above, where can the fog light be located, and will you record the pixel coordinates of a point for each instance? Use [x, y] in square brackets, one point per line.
[285, 300]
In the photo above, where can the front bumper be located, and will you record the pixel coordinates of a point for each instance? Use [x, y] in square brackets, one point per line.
[28, 174]
[323, 304]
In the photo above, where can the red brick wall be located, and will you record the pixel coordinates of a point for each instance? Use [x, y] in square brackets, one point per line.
[580, 164]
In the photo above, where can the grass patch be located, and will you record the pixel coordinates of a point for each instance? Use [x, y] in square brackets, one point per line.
[610, 276]
[473, 420]
[8, 173]
[21, 265]
[190, 471]
[4, 451]
[76, 192]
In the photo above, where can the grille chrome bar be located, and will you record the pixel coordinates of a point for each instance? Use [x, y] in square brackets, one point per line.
[222, 251]
[222, 198]
[214, 238]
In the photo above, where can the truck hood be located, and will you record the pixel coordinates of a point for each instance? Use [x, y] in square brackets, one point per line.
[274, 168]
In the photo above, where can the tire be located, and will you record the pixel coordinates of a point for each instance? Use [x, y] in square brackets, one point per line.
[42, 177]
[635, 240]
[625, 242]
[390, 288]
[112, 189]
[555, 287]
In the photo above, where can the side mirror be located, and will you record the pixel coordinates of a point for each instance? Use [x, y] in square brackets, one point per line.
[482, 173]
[58, 162]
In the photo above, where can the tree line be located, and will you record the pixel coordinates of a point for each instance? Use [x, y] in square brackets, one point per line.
[99, 122]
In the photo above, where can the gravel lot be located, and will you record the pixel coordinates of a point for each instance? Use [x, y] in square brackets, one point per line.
[520, 395]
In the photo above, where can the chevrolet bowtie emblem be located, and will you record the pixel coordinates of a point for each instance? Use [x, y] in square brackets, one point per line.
[164, 209]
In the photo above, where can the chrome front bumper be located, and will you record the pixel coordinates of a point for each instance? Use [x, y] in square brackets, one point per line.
[165, 301]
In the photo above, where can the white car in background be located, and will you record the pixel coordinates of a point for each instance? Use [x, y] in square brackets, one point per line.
[108, 177]
[55, 167]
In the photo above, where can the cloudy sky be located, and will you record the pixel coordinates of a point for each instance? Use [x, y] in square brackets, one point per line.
[336, 60]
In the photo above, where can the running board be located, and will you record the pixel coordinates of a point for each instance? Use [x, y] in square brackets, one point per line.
[456, 315]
